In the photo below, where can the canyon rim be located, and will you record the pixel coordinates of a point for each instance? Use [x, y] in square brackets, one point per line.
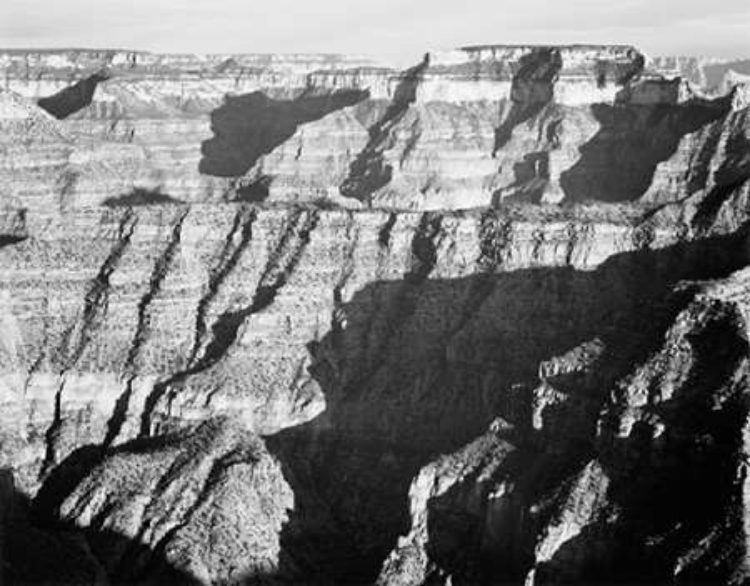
[316, 319]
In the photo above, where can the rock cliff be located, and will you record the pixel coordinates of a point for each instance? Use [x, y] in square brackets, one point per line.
[465, 128]
[312, 319]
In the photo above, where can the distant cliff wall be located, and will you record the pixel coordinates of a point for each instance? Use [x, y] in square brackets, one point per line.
[464, 128]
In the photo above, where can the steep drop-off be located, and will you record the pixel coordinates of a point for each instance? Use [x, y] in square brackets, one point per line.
[313, 320]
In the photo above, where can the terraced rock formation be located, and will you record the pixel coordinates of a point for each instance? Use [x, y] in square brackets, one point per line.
[314, 320]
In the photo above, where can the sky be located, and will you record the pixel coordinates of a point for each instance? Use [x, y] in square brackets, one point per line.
[395, 29]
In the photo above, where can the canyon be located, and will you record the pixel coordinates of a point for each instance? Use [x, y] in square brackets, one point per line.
[315, 319]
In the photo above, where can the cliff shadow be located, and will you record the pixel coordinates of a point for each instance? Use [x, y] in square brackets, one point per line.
[531, 91]
[7, 240]
[619, 162]
[531, 180]
[731, 176]
[74, 98]
[369, 171]
[667, 493]
[676, 493]
[249, 126]
[141, 197]
[417, 368]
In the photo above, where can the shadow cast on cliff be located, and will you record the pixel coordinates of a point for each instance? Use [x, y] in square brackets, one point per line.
[619, 162]
[141, 197]
[6, 240]
[532, 90]
[369, 170]
[74, 98]
[248, 126]
[531, 177]
[731, 176]
[419, 367]
[676, 493]
[666, 492]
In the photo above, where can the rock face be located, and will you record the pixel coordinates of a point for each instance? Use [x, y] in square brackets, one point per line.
[213, 501]
[638, 476]
[461, 129]
[314, 320]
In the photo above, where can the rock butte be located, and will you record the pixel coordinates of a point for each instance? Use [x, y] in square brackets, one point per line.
[311, 319]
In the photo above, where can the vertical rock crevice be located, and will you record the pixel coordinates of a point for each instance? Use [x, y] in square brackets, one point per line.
[237, 241]
[79, 335]
[370, 171]
[278, 270]
[533, 88]
[95, 306]
[131, 367]
[227, 327]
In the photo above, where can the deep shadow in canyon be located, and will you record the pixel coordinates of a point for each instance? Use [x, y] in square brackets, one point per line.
[678, 492]
[249, 126]
[419, 367]
[422, 366]
[671, 490]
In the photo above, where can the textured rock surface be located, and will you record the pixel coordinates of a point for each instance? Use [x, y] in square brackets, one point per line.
[653, 490]
[461, 129]
[311, 319]
[171, 313]
[212, 501]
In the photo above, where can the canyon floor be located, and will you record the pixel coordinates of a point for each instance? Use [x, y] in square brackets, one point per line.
[316, 320]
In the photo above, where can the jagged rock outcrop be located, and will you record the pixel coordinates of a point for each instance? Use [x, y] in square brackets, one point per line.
[211, 503]
[653, 490]
[312, 319]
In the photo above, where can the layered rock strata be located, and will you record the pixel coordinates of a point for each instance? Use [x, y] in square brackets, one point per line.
[315, 320]
[461, 129]
[376, 340]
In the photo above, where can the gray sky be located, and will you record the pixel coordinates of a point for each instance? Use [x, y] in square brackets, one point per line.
[394, 28]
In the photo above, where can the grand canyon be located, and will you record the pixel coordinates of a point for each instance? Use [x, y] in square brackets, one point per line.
[315, 319]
